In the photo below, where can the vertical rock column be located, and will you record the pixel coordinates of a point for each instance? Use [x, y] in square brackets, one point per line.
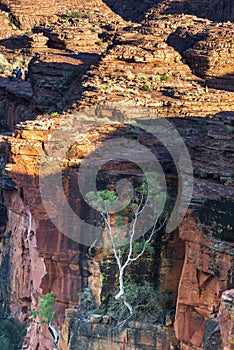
[226, 319]
[203, 278]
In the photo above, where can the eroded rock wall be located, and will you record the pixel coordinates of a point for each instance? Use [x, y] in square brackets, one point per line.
[205, 275]
[208, 257]
[144, 65]
[26, 15]
[226, 319]
[21, 267]
[15, 103]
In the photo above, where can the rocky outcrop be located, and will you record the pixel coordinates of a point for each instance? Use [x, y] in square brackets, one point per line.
[26, 15]
[138, 335]
[144, 65]
[6, 29]
[205, 275]
[56, 80]
[33, 267]
[226, 319]
[207, 55]
[142, 69]
[15, 102]
[20, 260]
[121, 67]
[135, 10]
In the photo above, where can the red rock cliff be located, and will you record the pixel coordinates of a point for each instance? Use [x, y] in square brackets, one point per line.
[122, 66]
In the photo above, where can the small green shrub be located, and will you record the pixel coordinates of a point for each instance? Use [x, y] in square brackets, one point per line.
[165, 77]
[46, 312]
[146, 87]
[165, 15]
[142, 76]
[98, 43]
[54, 114]
[93, 30]
[144, 299]
[86, 304]
[73, 15]
[161, 77]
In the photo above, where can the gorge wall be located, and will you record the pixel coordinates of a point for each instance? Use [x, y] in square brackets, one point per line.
[161, 64]
[207, 260]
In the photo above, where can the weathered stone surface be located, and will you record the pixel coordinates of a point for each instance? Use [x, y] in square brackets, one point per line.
[6, 29]
[207, 55]
[122, 66]
[55, 80]
[143, 69]
[204, 275]
[226, 319]
[140, 67]
[26, 15]
[15, 99]
[134, 336]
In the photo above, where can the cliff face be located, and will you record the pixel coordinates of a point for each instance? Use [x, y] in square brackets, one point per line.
[208, 259]
[15, 105]
[206, 273]
[226, 320]
[26, 15]
[31, 265]
[171, 65]
[21, 269]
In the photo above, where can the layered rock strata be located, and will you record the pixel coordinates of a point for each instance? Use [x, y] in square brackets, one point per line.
[178, 66]
[204, 275]
[143, 69]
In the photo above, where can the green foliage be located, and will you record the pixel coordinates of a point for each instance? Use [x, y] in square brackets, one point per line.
[54, 114]
[146, 87]
[144, 299]
[46, 312]
[142, 76]
[132, 299]
[138, 246]
[108, 196]
[12, 334]
[93, 30]
[73, 15]
[165, 77]
[102, 200]
[133, 132]
[98, 43]
[161, 77]
[165, 15]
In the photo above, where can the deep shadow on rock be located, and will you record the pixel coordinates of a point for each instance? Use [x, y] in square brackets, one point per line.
[215, 10]
[133, 10]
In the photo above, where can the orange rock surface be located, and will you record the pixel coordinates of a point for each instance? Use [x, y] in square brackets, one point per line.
[121, 62]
